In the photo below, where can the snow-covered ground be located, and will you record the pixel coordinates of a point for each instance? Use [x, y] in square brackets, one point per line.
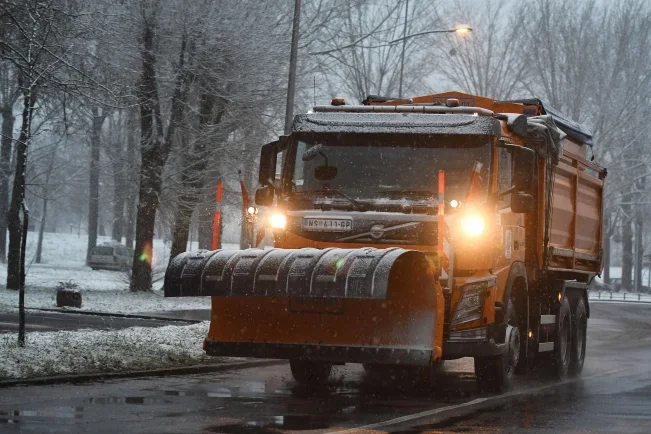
[88, 351]
[64, 257]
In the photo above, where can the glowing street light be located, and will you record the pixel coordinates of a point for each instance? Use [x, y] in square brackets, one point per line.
[460, 30]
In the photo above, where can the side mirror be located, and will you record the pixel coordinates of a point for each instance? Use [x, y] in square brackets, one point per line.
[521, 203]
[325, 173]
[523, 168]
[269, 159]
[264, 196]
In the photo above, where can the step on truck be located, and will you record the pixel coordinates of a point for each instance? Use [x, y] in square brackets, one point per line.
[409, 232]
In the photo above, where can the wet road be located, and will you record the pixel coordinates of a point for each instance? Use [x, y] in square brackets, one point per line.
[614, 395]
[36, 321]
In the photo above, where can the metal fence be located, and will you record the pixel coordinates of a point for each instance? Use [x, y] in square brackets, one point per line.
[619, 296]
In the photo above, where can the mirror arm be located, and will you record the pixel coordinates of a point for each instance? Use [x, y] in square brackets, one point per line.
[513, 189]
[324, 157]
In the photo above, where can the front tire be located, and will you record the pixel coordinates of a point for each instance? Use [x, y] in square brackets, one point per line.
[309, 372]
[579, 338]
[495, 374]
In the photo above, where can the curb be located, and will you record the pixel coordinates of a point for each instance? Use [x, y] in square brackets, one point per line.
[117, 315]
[161, 372]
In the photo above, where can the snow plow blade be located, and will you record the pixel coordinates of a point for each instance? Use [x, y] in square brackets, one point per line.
[339, 305]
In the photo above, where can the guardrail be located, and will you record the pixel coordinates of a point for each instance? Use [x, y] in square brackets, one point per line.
[619, 296]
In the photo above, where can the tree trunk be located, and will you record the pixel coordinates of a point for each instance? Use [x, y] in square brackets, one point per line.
[93, 195]
[18, 193]
[205, 220]
[41, 231]
[607, 252]
[118, 203]
[147, 204]
[131, 180]
[639, 249]
[627, 254]
[5, 175]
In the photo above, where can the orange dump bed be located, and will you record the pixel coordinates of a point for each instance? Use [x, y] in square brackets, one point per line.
[576, 221]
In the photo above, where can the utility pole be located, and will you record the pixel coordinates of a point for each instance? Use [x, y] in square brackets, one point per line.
[404, 43]
[291, 85]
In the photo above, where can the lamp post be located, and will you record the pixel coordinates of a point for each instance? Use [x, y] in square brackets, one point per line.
[459, 30]
[291, 84]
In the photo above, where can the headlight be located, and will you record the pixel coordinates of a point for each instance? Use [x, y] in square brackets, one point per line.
[470, 306]
[472, 224]
[278, 221]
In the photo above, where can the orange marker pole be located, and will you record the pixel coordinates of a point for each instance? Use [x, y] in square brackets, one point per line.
[441, 218]
[218, 215]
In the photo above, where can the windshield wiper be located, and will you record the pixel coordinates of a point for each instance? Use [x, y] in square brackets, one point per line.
[407, 192]
[356, 205]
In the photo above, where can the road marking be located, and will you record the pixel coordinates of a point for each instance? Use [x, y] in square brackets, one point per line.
[475, 404]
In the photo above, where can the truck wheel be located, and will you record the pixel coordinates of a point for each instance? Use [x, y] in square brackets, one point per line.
[563, 342]
[308, 372]
[579, 335]
[495, 374]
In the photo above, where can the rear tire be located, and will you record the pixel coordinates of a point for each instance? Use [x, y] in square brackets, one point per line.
[563, 342]
[309, 372]
[495, 374]
[579, 337]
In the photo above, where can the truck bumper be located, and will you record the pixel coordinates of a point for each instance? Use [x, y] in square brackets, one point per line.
[326, 353]
[477, 342]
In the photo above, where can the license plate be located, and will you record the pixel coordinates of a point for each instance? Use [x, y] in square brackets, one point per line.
[327, 225]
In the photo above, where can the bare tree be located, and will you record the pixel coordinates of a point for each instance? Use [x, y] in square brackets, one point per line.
[358, 54]
[489, 61]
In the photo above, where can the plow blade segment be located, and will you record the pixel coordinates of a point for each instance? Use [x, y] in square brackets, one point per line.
[325, 273]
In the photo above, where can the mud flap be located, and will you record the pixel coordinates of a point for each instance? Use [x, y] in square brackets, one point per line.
[338, 273]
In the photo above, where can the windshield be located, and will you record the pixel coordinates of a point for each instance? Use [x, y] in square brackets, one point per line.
[391, 167]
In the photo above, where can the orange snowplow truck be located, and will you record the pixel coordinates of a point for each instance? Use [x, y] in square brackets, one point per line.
[408, 232]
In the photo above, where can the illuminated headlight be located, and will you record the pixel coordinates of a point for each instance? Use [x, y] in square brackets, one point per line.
[252, 210]
[470, 306]
[472, 224]
[278, 221]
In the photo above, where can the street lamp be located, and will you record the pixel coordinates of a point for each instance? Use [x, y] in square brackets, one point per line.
[291, 83]
[459, 30]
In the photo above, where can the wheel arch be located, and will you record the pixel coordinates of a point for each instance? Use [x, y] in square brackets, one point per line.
[575, 291]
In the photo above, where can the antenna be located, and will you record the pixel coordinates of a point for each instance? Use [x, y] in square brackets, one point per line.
[314, 91]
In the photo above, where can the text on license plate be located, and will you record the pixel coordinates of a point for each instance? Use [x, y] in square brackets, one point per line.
[330, 225]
